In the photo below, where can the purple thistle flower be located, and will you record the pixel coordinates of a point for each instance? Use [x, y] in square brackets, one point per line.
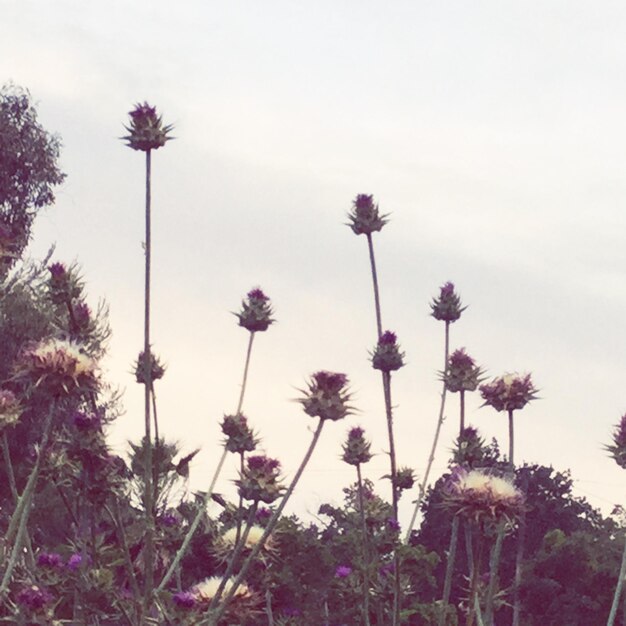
[34, 598]
[74, 562]
[185, 599]
[57, 271]
[169, 520]
[447, 307]
[387, 338]
[256, 311]
[257, 294]
[343, 571]
[387, 356]
[263, 514]
[509, 392]
[327, 396]
[618, 448]
[146, 131]
[50, 560]
[365, 218]
[393, 524]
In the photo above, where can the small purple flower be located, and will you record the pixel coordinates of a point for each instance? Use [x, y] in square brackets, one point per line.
[50, 560]
[34, 598]
[257, 294]
[388, 338]
[447, 307]
[57, 271]
[365, 217]
[256, 311]
[291, 612]
[393, 524]
[387, 356]
[387, 569]
[263, 514]
[343, 571]
[82, 315]
[184, 599]
[169, 520]
[74, 562]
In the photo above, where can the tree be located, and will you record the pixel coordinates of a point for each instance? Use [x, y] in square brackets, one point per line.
[28, 171]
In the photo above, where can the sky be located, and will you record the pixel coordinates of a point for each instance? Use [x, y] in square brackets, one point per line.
[492, 132]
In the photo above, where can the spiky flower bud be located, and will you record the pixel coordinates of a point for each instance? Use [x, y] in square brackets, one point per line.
[57, 365]
[256, 311]
[356, 449]
[462, 373]
[63, 285]
[387, 356]
[327, 396]
[239, 436]
[447, 307]
[509, 392]
[405, 479]
[260, 480]
[469, 450]
[365, 217]
[618, 448]
[157, 369]
[10, 408]
[483, 497]
[146, 131]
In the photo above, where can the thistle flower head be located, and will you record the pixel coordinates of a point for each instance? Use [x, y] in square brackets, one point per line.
[364, 217]
[326, 396]
[10, 408]
[469, 450]
[260, 479]
[50, 560]
[157, 369]
[56, 364]
[447, 307]
[242, 606]
[185, 600]
[343, 571]
[239, 436]
[509, 392]
[146, 130]
[256, 311]
[483, 497]
[63, 285]
[225, 544]
[356, 449]
[405, 479]
[617, 449]
[33, 598]
[387, 356]
[462, 373]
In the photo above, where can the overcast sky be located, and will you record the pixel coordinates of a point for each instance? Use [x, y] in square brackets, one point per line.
[492, 131]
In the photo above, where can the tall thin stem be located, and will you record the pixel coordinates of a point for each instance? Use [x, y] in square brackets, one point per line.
[366, 551]
[370, 246]
[214, 619]
[194, 525]
[462, 420]
[245, 373]
[618, 588]
[148, 488]
[511, 441]
[447, 585]
[431, 457]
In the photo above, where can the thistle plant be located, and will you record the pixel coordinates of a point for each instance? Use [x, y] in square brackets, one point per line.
[146, 133]
[508, 393]
[447, 308]
[356, 451]
[326, 398]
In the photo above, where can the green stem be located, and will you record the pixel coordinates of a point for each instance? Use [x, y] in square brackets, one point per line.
[474, 605]
[148, 469]
[19, 520]
[447, 585]
[366, 553]
[494, 564]
[370, 246]
[618, 588]
[194, 525]
[214, 619]
[431, 457]
[462, 421]
[245, 373]
[511, 441]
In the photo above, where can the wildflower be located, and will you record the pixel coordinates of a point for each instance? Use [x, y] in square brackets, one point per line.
[263, 515]
[356, 449]
[10, 408]
[509, 392]
[50, 560]
[393, 524]
[618, 448]
[469, 448]
[256, 312]
[82, 316]
[185, 600]
[260, 480]
[365, 217]
[33, 598]
[405, 478]
[63, 285]
[387, 356]
[239, 436]
[327, 396]
[157, 369]
[254, 536]
[462, 373]
[343, 571]
[205, 591]
[56, 364]
[483, 497]
[74, 562]
[447, 307]
[146, 131]
[169, 520]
